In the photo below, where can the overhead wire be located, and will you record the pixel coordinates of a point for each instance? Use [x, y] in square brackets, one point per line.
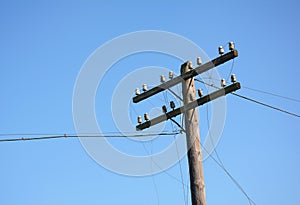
[273, 94]
[220, 162]
[85, 136]
[177, 97]
[182, 115]
[156, 189]
[231, 69]
[258, 90]
[166, 99]
[179, 161]
[131, 108]
[266, 105]
[170, 175]
[208, 128]
[210, 137]
[152, 176]
[175, 94]
[173, 177]
[181, 173]
[255, 101]
[228, 174]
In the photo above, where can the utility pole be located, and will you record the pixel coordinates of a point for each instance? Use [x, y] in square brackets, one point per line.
[190, 111]
[193, 140]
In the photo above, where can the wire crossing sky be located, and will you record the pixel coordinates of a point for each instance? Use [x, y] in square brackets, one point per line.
[257, 102]
[85, 136]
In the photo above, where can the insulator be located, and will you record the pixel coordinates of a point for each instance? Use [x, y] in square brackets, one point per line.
[199, 61]
[221, 50]
[200, 92]
[144, 87]
[162, 79]
[233, 78]
[139, 119]
[171, 75]
[231, 46]
[146, 116]
[223, 82]
[172, 104]
[137, 91]
[164, 109]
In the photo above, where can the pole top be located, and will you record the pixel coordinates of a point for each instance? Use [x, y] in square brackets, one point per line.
[186, 67]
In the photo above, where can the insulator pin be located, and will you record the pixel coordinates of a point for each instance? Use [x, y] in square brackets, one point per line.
[231, 46]
[164, 109]
[200, 92]
[221, 50]
[139, 119]
[146, 116]
[137, 91]
[162, 79]
[171, 75]
[199, 61]
[223, 82]
[172, 104]
[144, 87]
[233, 78]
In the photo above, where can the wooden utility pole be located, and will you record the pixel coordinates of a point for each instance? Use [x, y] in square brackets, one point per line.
[193, 140]
[190, 111]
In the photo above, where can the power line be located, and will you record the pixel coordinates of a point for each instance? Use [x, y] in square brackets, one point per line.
[252, 100]
[253, 89]
[273, 94]
[230, 176]
[219, 161]
[220, 164]
[261, 91]
[181, 175]
[179, 161]
[266, 105]
[85, 136]
[231, 69]
[152, 176]
[210, 137]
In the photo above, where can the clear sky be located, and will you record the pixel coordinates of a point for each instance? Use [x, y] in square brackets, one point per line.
[44, 45]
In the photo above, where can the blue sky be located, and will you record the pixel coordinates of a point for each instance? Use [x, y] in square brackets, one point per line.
[43, 47]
